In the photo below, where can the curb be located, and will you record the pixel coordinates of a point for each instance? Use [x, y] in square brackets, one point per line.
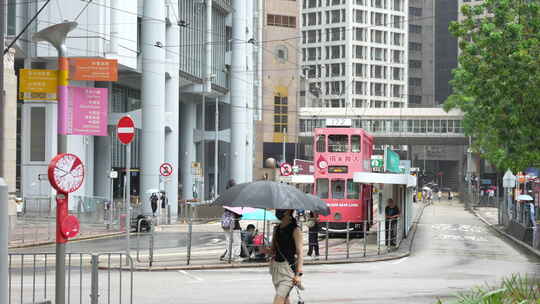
[501, 232]
[86, 238]
[399, 254]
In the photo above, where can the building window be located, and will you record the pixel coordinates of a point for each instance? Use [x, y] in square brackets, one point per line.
[415, 64]
[37, 133]
[415, 99]
[416, 29]
[415, 11]
[415, 82]
[283, 21]
[281, 114]
[414, 46]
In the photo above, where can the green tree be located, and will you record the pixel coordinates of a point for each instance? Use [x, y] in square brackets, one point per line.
[497, 83]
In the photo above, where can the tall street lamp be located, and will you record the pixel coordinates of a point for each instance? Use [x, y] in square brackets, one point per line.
[509, 182]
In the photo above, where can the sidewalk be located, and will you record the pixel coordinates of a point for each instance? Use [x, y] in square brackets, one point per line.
[489, 215]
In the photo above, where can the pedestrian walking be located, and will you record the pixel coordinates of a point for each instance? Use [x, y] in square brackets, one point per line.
[228, 224]
[237, 239]
[313, 231]
[287, 263]
[439, 195]
[392, 213]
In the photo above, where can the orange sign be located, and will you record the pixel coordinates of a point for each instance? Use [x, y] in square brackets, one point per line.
[93, 69]
[37, 84]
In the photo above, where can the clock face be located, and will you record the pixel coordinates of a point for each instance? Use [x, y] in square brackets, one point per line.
[66, 172]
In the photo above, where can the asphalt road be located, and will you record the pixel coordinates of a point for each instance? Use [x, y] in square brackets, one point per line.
[452, 252]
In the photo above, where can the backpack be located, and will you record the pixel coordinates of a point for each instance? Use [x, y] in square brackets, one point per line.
[227, 220]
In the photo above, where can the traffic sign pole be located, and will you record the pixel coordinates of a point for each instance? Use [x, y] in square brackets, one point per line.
[126, 133]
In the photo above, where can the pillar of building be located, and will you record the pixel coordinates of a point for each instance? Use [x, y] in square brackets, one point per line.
[239, 95]
[187, 150]
[172, 106]
[153, 97]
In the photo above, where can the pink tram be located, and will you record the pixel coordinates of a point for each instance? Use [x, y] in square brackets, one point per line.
[338, 153]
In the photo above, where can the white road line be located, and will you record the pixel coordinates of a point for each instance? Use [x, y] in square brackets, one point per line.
[189, 275]
[400, 261]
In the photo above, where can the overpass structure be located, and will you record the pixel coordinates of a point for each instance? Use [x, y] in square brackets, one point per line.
[393, 126]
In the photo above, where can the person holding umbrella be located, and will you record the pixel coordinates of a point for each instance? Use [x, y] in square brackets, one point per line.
[287, 261]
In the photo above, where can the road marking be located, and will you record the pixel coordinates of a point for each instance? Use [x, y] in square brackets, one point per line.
[189, 275]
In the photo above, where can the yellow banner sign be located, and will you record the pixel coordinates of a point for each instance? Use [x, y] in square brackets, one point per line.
[38, 84]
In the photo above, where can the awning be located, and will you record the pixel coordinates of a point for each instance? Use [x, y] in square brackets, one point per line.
[384, 178]
[297, 179]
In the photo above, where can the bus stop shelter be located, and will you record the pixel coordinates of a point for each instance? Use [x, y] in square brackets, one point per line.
[399, 187]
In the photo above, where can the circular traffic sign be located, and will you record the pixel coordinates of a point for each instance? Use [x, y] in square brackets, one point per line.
[66, 173]
[286, 169]
[165, 169]
[125, 130]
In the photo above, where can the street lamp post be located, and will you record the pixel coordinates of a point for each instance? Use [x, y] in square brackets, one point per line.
[509, 182]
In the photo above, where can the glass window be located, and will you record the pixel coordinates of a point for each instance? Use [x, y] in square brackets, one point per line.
[322, 187]
[353, 189]
[430, 126]
[443, 126]
[338, 143]
[355, 143]
[338, 189]
[321, 144]
[37, 134]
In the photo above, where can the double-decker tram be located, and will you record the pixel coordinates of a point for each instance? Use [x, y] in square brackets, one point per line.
[338, 153]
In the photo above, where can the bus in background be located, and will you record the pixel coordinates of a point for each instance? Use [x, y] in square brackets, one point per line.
[338, 153]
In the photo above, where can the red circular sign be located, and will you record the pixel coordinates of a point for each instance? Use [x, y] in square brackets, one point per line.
[70, 227]
[125, 130]
[165, 169]
[66, 172]
[286, 169]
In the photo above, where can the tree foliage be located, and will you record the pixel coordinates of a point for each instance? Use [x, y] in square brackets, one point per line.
[497, 83]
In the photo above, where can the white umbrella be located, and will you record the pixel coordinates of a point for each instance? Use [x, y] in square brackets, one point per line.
[426, 188]
[525, 197]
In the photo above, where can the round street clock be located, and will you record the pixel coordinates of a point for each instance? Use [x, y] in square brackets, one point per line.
[66, 173]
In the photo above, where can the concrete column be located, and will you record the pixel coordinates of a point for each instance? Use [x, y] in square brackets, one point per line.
[239, 95]
[3, 241]
[188, 151]
[153, 97]
[172, 106]
[251, 33]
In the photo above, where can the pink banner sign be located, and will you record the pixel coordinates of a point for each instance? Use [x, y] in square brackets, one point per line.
[86, 112]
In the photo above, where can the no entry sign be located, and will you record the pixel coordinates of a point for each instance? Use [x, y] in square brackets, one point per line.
[125, 130]
[165, 169]
[286, 169]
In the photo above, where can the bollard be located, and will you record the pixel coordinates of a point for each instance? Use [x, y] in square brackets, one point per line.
[327, 236]
[347, 240]
[365, 238]
[190, 231]
[379, 238]
[94, 281]
[168, 214]
[151, 247]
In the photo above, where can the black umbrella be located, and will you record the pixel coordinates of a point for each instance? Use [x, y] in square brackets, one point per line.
[271, 195]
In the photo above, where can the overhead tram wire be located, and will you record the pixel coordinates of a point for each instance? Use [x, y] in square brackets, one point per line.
[26, 26]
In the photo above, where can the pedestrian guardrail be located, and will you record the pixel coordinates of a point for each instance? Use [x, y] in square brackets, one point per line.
[90, 278]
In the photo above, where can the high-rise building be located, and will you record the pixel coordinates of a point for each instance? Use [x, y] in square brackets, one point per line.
[277, 131]
[354, 53]
[432, 51]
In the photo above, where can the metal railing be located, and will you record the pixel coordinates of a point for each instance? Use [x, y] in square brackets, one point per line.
[36, 220]
[205, 243]
[90, 278]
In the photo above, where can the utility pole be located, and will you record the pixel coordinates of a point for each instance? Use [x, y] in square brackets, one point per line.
[2, 95]
[3, 186]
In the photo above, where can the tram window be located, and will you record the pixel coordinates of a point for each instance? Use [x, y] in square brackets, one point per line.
[338, 189]
[355, 143]
[321, 144]
[322, 187]
[338, 143]
[353, 189]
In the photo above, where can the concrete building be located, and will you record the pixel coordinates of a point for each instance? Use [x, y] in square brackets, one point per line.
[178, 61]
[280, 82]
[355, 52]
[432, 51]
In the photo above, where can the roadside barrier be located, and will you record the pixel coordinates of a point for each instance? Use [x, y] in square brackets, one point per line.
[90, 278]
